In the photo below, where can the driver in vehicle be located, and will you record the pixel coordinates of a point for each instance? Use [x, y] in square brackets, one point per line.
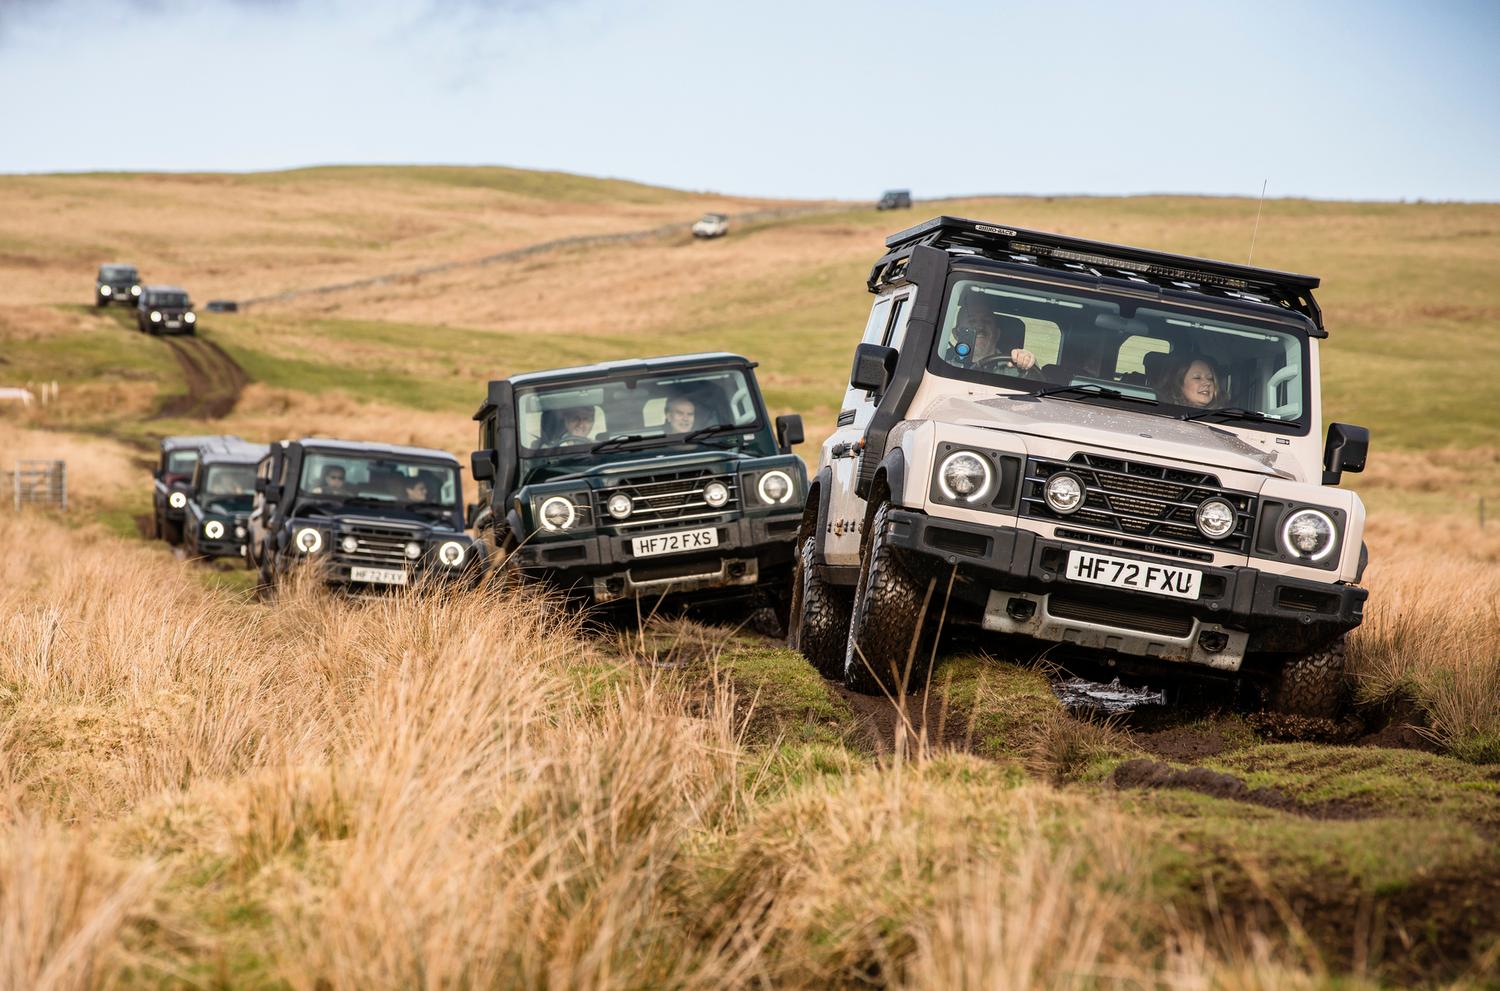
[681, 415]
[332, 482]
[994, 342]
[417, 490]
[577, 426]
[1191, 382]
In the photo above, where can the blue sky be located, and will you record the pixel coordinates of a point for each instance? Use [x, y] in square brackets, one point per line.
[776, 98]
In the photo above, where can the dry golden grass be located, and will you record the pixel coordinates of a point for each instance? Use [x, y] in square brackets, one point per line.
[100, 470]
[458, 791]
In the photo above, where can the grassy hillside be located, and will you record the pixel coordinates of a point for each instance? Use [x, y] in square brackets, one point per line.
[202, 790]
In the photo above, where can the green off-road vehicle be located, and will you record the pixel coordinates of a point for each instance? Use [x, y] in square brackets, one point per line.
[1114, 453]
[641, 479]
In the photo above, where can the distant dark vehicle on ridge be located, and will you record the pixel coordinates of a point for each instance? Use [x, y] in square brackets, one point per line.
[367, 516]
[165, 310]
[117, 284]
[219, 498]
[895, 199]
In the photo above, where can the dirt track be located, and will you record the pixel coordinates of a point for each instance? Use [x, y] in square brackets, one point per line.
[214, 380]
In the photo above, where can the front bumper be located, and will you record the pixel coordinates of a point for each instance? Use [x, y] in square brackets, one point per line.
[228, 547]
[750, 550]
[1018, 581]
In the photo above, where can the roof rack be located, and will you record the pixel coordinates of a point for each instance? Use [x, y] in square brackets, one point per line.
[1014, 244]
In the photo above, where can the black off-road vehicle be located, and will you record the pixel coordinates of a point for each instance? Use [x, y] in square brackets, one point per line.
[641, 479]
[117, 284]
[367, 516]
[165, 310]
[1110, 453]
[172, 480]
[894, 199]
[220, 494]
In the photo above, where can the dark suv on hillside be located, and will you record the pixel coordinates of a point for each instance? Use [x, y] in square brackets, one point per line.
[165, 310]
[172, 481]
[641, 479]
[219, 497]
[368, 516]
[117, 284]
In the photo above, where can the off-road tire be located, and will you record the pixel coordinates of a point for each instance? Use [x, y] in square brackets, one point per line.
[818, 620]
[1312, 684]
[101, 301]
[171, 532]
[888, 618]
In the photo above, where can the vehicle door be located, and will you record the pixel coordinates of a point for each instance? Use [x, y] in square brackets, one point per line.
[846, 510]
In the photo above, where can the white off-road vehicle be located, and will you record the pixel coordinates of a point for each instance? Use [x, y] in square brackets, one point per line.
[711, 225]
[1112, 451]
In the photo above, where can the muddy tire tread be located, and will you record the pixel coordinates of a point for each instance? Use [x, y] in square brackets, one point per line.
[887, 614]
[818, 624]
[1312, 684]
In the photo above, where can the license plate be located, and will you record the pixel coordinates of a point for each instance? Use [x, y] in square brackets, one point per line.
[672, 543]
[174, 323]
[380, 576]
[1138, 576]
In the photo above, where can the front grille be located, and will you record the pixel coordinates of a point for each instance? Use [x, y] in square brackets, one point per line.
[1159, 621]
[377, 546]
[1139, 500]
[667, 499]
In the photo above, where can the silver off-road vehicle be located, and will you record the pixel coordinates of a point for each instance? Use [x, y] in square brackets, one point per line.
[1112, 451]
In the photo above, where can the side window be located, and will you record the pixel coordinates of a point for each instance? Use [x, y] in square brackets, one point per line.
[879, 318]
[895, 328]
[1135, 359]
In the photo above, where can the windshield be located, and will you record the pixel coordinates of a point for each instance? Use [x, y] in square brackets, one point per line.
[711, 406]
[117, 274]
[1176, 362]
[181, 462]
[230, 488]
[345, 477]
[167, 299]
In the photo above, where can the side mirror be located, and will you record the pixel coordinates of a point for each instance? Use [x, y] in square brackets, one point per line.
[1346, 450]
[260, 484]
[788, 432]
[482, 465]
[872, 367]
[270, 495]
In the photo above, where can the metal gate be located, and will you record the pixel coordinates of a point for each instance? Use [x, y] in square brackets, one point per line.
[40, 483]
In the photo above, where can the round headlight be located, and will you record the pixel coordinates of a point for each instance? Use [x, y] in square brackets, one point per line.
[1064, 493]
[177, 500]
[213, 529]
[105, 290]
[413, 550]
[716, 494]
[451, 553]
[156, 316]
[308, 540]
[620, 505]
[190, 317]
[349, 544]
[1308, 534]
[965, 476]
[239, 533]
[774, 487]
[1216, 518]
[558, 513]
[135, 290]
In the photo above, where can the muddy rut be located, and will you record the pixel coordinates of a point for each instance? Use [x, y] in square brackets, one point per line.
[214, 380]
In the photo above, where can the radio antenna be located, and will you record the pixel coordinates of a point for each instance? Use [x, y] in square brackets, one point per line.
[1256, 229]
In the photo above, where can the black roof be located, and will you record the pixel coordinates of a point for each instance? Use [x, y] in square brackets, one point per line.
[106, 265]
[199, 441]
[369, 447]
[151, 289]
[1016, 245]
[232, 450]
[605, 370]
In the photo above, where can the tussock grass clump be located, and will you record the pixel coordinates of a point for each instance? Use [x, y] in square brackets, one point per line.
[1431, 634]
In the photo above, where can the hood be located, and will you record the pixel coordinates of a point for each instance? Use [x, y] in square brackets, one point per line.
[1110, 429]
[356, 517]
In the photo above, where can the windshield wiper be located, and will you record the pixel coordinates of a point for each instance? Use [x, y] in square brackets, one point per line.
[1094, 390]
[444, 508]
[618, 440]
[717, 428]
[1233, 412]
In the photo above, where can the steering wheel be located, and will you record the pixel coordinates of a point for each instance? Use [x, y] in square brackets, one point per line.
[994, 362]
